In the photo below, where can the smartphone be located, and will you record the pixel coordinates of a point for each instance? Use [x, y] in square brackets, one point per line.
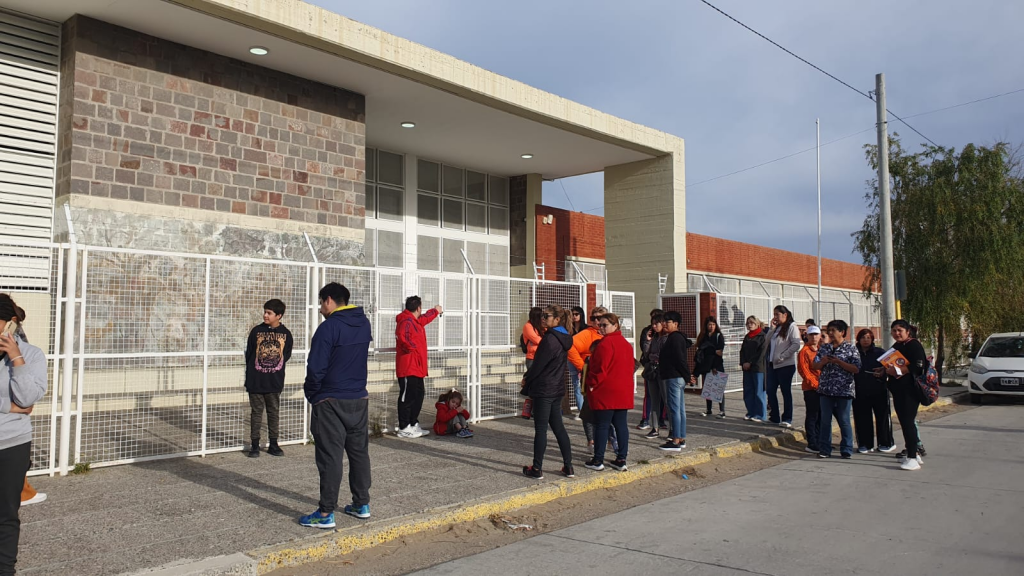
[10, 329]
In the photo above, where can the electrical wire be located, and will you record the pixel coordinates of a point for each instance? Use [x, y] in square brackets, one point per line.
[818, 68]
[566, 195]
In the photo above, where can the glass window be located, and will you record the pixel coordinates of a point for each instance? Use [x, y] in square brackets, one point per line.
[371, 201]
[497, 260]
[499, 191]
[454, 181]
[371, 165]
[476, 217]
[453, 261]
[369, 248]
[499, 221]
[476, 252]
[389, 203]
[390, 168]
[428, 210]
[428, 253]
[428, 176]
[452, 214]
[476, 186]
[389, 249]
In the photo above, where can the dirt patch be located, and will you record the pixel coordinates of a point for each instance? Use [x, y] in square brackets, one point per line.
[434, 547]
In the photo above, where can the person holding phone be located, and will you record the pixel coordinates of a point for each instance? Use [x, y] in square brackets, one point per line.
[22, 384]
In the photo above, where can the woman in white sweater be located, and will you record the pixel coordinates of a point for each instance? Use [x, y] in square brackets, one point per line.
[784, 344]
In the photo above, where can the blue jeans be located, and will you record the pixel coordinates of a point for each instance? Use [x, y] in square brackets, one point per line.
[840, 408]
[605, 420]
[676, 408]
[753, 394]
[575, 375]
[775, 379]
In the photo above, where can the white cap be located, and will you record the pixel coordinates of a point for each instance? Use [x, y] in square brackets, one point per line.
[814, 330]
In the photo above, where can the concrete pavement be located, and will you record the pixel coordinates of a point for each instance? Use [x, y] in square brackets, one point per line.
[959, 514]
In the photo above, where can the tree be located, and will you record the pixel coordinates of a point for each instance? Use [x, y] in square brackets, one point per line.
[958, 232]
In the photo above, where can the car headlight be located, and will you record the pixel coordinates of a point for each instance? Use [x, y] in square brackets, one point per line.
[978, 369]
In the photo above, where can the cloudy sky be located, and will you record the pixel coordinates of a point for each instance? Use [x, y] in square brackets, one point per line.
[679, 66]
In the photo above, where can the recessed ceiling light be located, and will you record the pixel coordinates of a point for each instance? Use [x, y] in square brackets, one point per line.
[408, 124]
[259, 51]
[526, 156]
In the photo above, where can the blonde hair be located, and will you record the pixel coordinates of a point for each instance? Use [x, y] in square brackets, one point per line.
[756, 321]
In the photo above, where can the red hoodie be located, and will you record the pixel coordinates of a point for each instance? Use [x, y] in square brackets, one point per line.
[612, 374]
[411, 343]
[445, 415]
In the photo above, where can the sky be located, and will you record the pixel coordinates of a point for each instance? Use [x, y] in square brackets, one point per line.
[738, 101]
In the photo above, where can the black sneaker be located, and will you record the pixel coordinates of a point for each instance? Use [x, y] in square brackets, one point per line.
[568, 472]
[274, 449]
[708, 413]
[653, 434]
[644, 425]
[846, 455]
[902, 455]
[619, 465]
[671, 446]
[593, 464]
[921, 451]
[531, 472]
[820, 455]
[254, 452]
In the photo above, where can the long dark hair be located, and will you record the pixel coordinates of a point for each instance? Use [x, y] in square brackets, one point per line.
[704, 330]
[577, 326]
[564, 319]
[9, 310]
[536, 319]
[784, 327]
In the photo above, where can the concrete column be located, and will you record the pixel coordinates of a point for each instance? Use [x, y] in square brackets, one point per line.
[645, 227]
[533, 196]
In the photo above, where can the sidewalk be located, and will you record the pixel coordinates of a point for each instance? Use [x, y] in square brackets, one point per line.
[128, 518]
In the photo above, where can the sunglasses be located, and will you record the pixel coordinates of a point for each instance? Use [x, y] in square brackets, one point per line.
[547, 316]
[604, 325]
[594, 318]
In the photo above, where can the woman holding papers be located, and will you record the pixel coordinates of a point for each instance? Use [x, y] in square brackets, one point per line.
[901, 383]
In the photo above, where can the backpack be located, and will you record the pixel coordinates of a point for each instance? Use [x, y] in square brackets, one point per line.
[522, 343]
[928, 385]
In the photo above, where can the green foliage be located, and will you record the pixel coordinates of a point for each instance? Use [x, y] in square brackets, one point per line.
[82, 468]
[958, 231]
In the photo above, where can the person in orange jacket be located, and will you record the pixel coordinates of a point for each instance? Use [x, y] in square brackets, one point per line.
[805, 366]
[580, 351]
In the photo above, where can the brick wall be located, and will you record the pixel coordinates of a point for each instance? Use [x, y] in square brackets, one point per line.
[569, 234]
[147, 120]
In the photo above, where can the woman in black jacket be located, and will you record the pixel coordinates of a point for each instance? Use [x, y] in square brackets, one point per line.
[871, 404]
[545, 384]
[752, 352]
[905, 396]
[710, 348]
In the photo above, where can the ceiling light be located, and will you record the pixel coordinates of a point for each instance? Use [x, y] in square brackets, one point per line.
[259, 51]
[408, 124]
[526, 156]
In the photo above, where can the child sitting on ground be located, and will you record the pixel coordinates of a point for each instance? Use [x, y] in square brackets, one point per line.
[452, 418]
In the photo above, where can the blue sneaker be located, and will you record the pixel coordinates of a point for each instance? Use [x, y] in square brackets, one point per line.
[361, 512]
[315, 520]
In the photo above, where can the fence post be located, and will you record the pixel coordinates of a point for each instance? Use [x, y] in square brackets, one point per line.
[69, 347]
[81, 354]
[206, 358]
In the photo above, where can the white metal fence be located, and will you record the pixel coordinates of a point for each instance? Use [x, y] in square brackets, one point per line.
[149, 361]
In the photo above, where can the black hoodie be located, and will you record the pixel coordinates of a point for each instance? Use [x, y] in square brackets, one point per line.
[546, 377]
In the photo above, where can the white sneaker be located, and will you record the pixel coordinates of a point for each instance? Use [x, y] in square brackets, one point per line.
[809, 449]
[887, 449]
[421, 431]
[409, 432]
[756, 419]
[909, 464]
[785, 424]
[863, 450]
[39, 497]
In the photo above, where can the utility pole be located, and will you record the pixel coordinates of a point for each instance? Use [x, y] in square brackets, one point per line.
[885, 214]
[817, 154]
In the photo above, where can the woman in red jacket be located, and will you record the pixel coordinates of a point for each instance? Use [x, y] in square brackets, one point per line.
[610, 381]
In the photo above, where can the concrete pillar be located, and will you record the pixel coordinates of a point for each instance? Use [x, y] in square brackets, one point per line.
[526, 192]
[645, 227]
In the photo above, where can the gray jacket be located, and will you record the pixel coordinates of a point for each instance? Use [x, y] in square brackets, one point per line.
[782, 350]
[23, 385]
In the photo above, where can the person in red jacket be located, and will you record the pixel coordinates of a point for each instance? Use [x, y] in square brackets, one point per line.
[610, 380]
[411, 364]
[452, 418]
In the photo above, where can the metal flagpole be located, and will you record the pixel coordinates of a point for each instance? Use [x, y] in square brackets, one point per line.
[817, 153]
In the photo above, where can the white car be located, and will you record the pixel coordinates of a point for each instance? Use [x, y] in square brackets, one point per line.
[998, 368]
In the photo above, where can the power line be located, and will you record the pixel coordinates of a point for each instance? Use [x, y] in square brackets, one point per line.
[566, 195]
[967, 103]
[818, 68]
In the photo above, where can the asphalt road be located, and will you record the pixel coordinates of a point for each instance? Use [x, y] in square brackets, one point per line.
[962, 513]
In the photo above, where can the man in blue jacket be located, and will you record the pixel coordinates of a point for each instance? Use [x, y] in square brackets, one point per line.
[336, 387]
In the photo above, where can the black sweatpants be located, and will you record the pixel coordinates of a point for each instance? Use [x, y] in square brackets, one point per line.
[339, 427]
[871, 419]
[905, 402]
[812, 418]
[546, 413]
[14, 462]
[272, 404]
[410, 400]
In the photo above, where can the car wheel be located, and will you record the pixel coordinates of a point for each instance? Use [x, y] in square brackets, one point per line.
[976, 398]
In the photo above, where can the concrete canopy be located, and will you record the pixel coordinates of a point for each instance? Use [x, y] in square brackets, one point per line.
[464, 114]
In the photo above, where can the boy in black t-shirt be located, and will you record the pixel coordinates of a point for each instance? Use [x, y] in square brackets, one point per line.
[268, 349]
